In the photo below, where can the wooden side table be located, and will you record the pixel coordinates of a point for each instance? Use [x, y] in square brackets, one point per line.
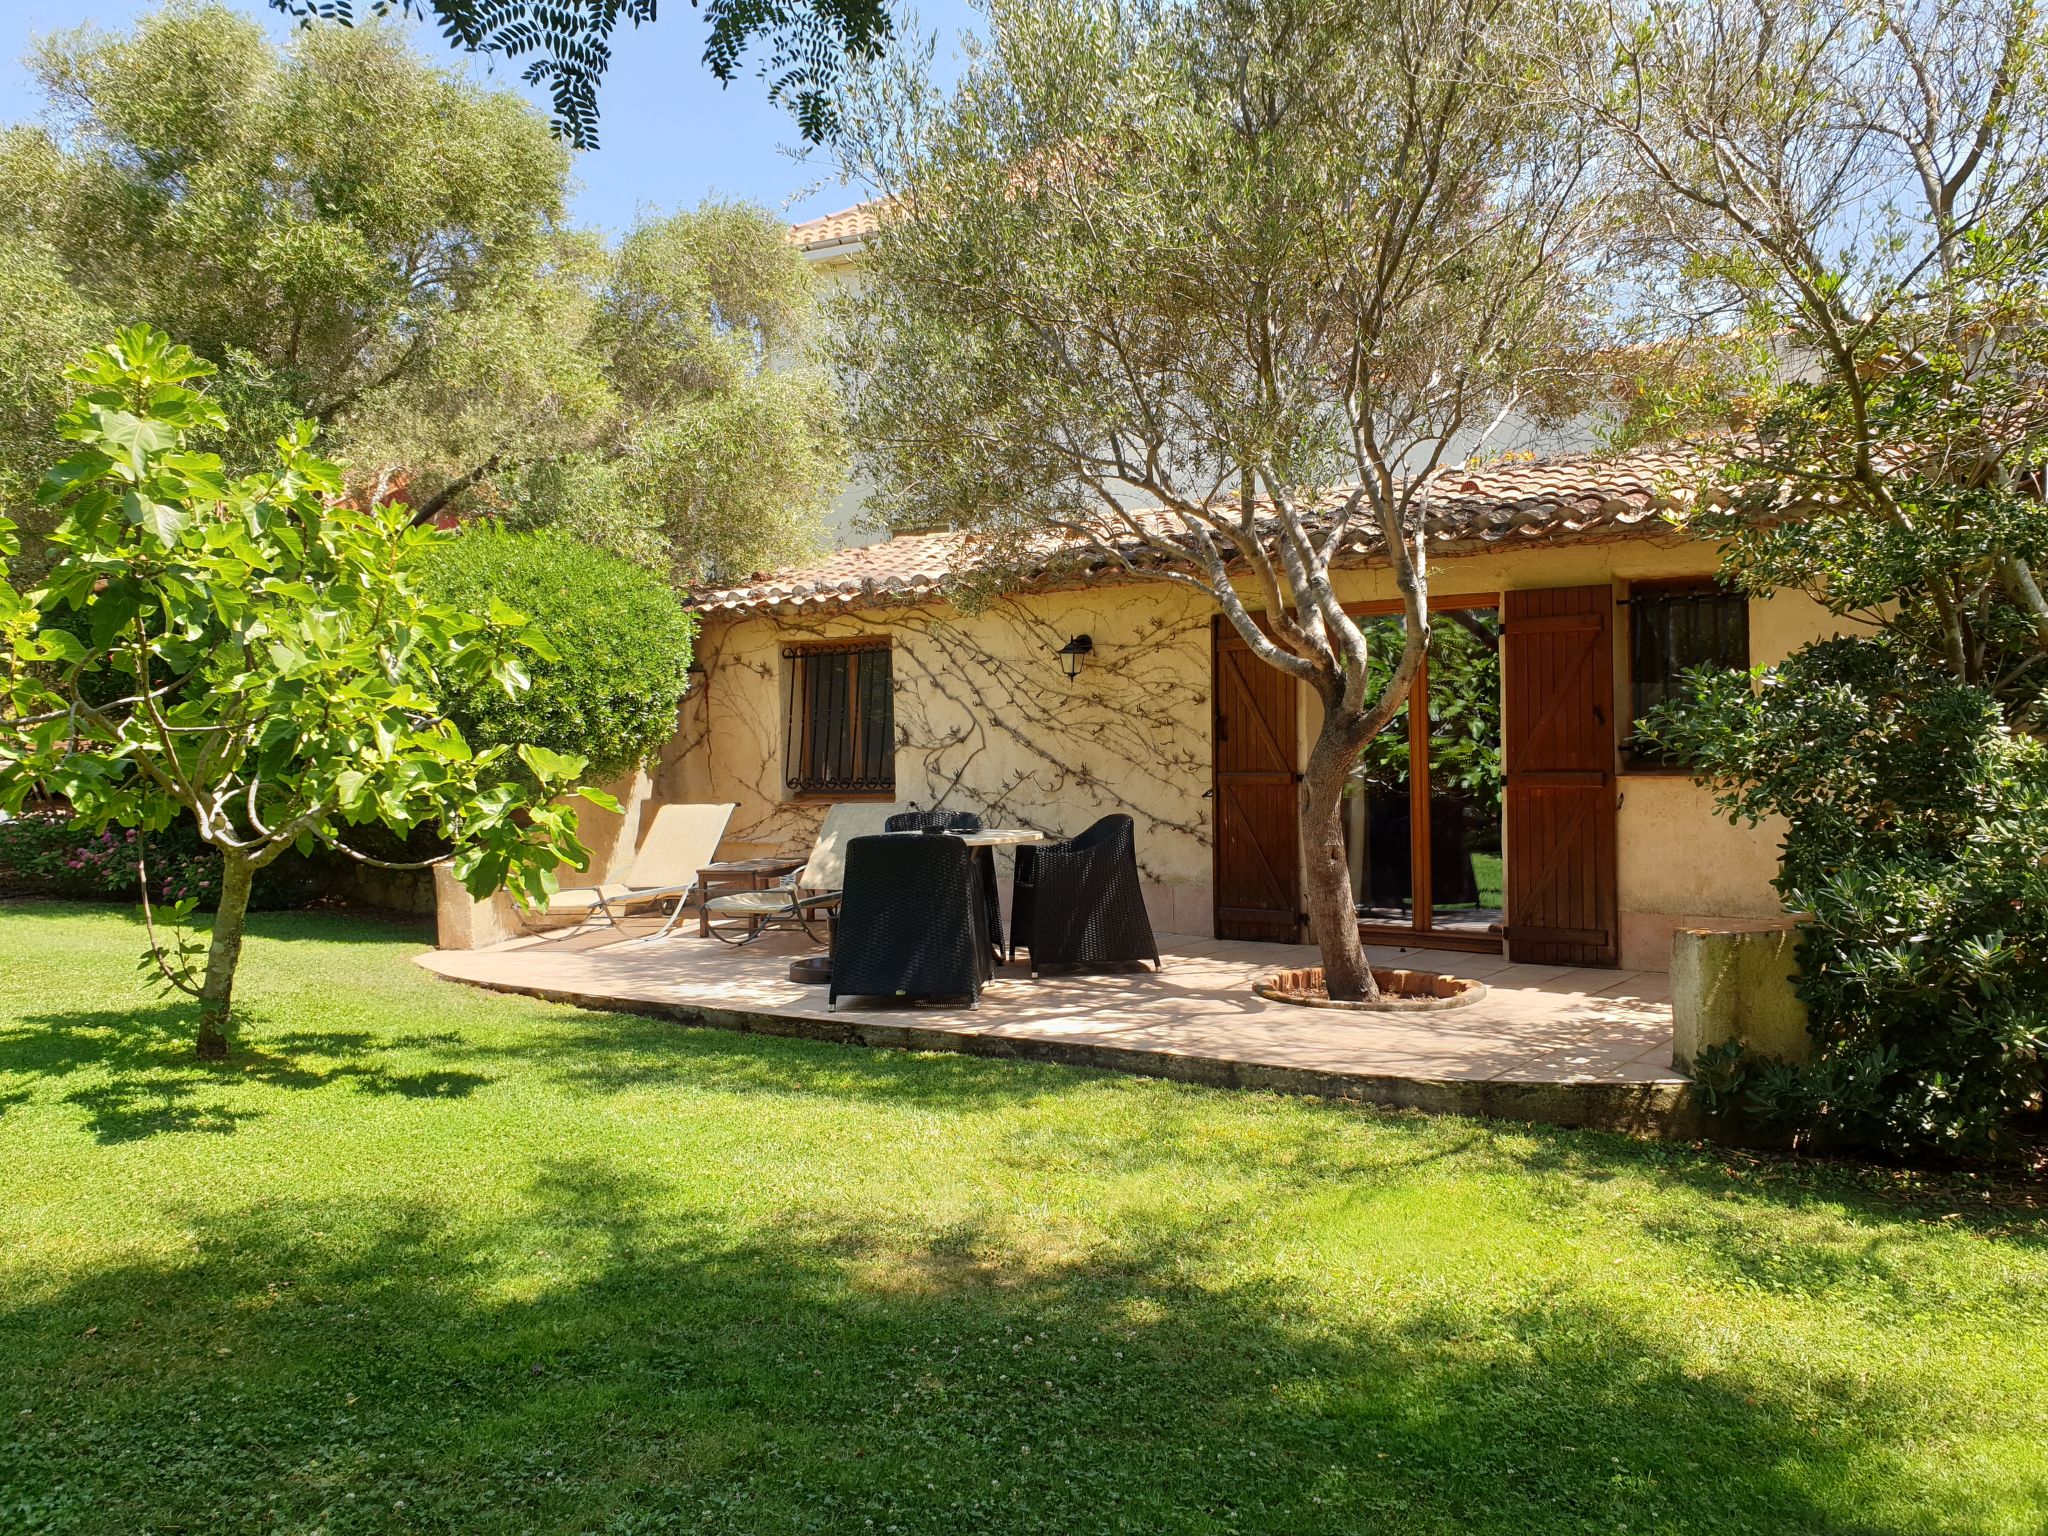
[738, 875]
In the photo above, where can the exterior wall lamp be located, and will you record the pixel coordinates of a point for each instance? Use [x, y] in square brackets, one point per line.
[1071, 653]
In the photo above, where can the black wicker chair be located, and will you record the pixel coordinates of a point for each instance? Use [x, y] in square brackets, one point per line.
[1079, 902]
[912, 922]
[933, 821]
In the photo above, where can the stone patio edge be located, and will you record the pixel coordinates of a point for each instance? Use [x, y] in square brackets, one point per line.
[1664, 1110]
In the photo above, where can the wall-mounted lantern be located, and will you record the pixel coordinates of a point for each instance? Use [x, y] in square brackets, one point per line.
[1071, 653]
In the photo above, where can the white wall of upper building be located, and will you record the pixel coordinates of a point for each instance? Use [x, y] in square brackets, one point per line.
[836, 268]
[835, 256]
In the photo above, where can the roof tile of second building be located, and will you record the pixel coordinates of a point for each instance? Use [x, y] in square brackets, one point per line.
[841, 228]
[1503, 504]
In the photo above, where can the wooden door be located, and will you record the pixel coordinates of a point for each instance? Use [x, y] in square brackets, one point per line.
[1557, 731]
[1256, 746]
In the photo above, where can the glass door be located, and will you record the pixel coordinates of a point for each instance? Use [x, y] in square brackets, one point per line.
[1379, 800]
[1422, 815]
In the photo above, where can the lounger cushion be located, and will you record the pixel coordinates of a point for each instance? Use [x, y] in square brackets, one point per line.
[751, 902]
[584, 898]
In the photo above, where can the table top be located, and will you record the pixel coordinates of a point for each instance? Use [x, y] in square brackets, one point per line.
[987, 837]
[753, 867]
[999, 837]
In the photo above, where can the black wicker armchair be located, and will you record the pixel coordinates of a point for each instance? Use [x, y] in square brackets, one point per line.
[933, 821]
[1079, 902]
[912, 922]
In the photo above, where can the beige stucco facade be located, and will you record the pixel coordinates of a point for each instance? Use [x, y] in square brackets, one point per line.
[987, 720]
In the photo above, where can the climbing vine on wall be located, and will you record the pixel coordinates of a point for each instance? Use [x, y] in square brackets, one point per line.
[987, 720]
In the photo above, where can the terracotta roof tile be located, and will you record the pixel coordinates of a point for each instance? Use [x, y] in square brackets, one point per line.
[842, 228]
[1504, 504]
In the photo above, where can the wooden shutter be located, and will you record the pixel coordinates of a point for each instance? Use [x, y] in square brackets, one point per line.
[1557, 729]
[1254, 777]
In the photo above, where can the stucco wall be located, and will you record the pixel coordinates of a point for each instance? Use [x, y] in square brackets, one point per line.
[986, 720]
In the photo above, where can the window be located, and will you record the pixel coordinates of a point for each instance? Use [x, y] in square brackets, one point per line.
[840, 736]
[1672, 630]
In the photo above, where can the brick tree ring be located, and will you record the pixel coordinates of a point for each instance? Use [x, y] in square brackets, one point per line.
[1400, 991]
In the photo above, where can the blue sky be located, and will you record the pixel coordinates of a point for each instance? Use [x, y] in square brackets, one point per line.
[671, 136]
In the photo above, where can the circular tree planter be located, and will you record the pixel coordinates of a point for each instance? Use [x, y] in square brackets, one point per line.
[1400, 991]
[811, 970]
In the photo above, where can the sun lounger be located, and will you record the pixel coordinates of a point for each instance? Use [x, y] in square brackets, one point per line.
[681, 840]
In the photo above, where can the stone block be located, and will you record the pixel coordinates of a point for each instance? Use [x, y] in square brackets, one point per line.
[1729, 986]
[463, 922]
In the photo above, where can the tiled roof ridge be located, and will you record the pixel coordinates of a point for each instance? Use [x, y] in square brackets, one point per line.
[1508, 502]
[848, 226]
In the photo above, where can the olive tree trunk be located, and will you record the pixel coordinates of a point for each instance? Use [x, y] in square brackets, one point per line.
[223, 954]
[1326, 871]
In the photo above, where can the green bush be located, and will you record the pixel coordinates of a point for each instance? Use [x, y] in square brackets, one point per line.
[1917, 847]
[45, 852]
[622, 635]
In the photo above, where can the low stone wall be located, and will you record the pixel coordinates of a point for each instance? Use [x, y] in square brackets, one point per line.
[463, 922]
[1737, 987]
[395, 890]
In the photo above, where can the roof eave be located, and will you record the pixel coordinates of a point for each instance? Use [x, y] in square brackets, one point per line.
[1654, 526]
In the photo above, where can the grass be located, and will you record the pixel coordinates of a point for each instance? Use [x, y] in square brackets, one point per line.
[424, 1259]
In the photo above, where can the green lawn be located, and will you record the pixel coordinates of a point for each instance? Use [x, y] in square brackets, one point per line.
[425, 1259]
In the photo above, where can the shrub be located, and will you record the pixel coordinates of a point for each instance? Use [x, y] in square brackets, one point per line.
[46, 852]
[622, 635]
[1916, 845]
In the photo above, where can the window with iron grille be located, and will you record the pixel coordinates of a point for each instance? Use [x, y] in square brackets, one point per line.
[1671, 631]
[840, 736]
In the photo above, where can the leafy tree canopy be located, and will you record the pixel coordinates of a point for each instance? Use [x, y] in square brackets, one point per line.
[1841, 233]
[806, 44]
[658, 400]
[352, 236]
[318, 211]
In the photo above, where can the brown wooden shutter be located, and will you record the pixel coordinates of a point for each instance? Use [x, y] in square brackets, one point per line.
[1557, 728]
[1255, 772]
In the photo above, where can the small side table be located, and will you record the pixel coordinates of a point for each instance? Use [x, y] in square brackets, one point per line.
[738, 875]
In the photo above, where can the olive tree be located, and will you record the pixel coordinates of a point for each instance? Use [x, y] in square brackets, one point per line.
[255, 655]
[307, 219]
[353, 236]
[1841, 226]
[1213, 289]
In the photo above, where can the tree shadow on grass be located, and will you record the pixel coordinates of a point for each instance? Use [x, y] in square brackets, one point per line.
[1785, 1226]
[139, 1077]
[599, 1357]
[620, 1053]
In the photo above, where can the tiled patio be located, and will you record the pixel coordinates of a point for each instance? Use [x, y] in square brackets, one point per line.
[1546, 1043]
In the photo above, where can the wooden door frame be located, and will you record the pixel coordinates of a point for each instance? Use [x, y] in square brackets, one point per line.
[1420, 897]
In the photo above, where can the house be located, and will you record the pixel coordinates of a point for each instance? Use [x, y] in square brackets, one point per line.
[1507, 808]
